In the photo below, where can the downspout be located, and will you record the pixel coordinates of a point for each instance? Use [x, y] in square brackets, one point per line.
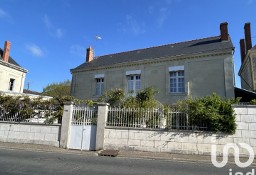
[21, 90]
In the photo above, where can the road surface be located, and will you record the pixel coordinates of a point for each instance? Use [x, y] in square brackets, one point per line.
[22, 162]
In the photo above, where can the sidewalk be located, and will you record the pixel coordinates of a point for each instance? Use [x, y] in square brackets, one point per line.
[121, 153]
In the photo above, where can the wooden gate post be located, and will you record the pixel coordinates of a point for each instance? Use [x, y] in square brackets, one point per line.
[101, 124]
[66, 124]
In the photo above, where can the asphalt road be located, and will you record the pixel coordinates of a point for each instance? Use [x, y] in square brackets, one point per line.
[21, 162]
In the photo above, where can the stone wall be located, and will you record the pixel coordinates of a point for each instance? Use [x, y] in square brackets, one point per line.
[187, 142]
[30, 133]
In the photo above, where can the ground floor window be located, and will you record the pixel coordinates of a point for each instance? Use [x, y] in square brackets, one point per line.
[134, 84]
[99, 86]
[177, 81]
[11, 84]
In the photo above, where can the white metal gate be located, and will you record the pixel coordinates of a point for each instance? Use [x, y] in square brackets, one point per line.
[83, 128]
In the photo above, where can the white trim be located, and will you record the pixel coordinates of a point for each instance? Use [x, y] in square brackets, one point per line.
[133, 72]
[175, 68]
[99, 76]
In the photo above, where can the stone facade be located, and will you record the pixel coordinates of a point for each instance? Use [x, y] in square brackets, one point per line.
[203, 74]
[248, 71]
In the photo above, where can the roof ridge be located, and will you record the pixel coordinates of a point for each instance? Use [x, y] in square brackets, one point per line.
[96, 57]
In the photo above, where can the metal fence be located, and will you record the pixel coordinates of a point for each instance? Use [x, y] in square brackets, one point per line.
[37, 116]
[136, 118]
[177, 119]
[84, 115]
[170, 118]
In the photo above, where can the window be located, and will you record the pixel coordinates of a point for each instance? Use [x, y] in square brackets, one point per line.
[99, 86]
[11, 84]
[133, 84]
[177, 82]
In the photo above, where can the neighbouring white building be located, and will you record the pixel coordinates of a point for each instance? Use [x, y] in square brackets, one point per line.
[12, 75]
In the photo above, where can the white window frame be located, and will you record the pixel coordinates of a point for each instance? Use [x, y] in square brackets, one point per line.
[176, 75]
[99, 87]
[133, 84]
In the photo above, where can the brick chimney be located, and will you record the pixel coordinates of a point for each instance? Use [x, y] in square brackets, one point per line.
[89, 54]
[224, 31]
[248, 39]
[6, 53]
[242, 50]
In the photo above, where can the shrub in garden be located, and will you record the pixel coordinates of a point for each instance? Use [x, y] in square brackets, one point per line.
[217, 113]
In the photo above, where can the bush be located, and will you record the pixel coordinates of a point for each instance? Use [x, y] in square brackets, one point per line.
[144, 99]
[28, 108]
[215, 112]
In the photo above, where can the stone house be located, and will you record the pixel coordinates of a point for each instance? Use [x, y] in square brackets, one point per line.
[187, 69]
[12, 75]
[247, 70]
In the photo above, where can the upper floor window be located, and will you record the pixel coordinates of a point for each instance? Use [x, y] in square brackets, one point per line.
[99, 86]
[11, 84]
[177, 80]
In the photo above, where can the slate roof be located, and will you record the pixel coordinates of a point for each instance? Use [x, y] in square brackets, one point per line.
[26, 91]
[204, 45]
[12, 61]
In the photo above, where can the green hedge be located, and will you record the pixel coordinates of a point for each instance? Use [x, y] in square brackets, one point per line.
[217, 113]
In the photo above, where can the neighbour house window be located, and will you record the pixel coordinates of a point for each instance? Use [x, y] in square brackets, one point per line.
[11, 84]
[99, 86]
[177, 80]
[134, 84]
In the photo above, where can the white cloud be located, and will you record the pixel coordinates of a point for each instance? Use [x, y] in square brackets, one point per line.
[160, 11]
[77, 50]
[249, 2]
[54, 31]
[47, 22]
[163, 14]
[35, 50]
[133, 26]
[3, 13]
[59, 33]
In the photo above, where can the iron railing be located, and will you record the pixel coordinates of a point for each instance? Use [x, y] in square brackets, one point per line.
[37, 116]
[170, 118]
[84, 115]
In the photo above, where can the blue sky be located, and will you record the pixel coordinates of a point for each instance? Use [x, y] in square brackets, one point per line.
[49, 37]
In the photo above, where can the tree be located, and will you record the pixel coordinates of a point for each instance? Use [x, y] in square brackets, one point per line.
[58, 90]
[145, 98]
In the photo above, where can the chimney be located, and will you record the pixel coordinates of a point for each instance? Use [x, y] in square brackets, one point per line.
[224, 31]
[247, 34]
[6, 53]
[242, 50]
[89, 54]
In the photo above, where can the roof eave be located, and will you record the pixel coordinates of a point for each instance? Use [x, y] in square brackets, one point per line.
[13, 66]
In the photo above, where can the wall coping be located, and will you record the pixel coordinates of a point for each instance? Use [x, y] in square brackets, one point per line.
[68, 103]
[103, 104]
[243, 106]
[27, 123]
